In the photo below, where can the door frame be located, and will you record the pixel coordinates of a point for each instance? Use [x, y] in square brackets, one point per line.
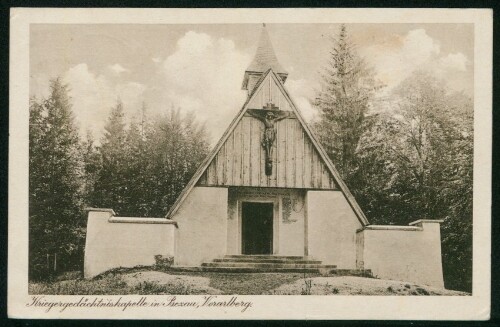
[275, 201]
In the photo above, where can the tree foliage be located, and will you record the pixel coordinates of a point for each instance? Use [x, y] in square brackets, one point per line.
[146, 164]
[411, 161]
[177, 146]
[138, 168]
[55, 191]
[343, 102]
[110, 189]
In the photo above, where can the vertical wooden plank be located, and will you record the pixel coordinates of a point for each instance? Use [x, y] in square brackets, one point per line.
[326, 177]
[206, 175]
[265, 93]
[232, 158]
[273, 181]
[210, 173]
[228, 177]
[276, 94]
[262, 174]
[246, 150]
[303, 156]
[296, 143]
[307, 162]
[299, 154]
[209, 176]
[261, 97]
[270, 86]
[320, 171]
[203, 179]
[286, 150]
[281, 154]
[325, 183]
[271, 90]
[277, 149]
[250, 141]
[255, 153]
[224, 178]
[290, 162]
[317, 171]
[250, 145]
[242, 146]
[214, 166]
[220, 166]
[314, 168]
[237, 149]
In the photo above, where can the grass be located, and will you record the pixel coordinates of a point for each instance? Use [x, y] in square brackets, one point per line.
[107, 286]
[148, 280]
[113, 283]
[244, 284]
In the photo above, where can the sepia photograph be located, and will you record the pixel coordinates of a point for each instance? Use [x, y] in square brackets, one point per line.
[196, 164]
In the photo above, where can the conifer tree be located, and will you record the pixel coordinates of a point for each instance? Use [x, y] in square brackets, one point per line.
[177, 146]
[136, 171]
[112, 183]
[56, 221]
[348, 87]
[92, 162]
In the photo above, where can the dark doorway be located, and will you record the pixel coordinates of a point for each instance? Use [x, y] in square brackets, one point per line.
[257, 228]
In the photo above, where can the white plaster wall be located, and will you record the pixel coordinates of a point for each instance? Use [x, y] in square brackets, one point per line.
[202, 221]
[332, 226]
[233, 231]
[413, 256]
[289, 233]
[111, 245]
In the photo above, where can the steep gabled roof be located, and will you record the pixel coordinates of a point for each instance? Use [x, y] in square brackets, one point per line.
[343, 187]
[265, 58]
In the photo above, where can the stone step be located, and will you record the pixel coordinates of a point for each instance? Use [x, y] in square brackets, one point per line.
[347, 272]
[264, 257]
[268, 260]
[321, 271]
[267, 265]
[259, 270]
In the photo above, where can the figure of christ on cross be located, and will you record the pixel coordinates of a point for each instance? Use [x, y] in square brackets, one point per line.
[269, 118]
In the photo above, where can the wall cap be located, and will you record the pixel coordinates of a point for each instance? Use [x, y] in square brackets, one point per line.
[142, 220]
[425, 221]
[101, 210]
[390, 227]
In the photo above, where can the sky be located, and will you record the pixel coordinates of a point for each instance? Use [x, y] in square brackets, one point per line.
[200, 68]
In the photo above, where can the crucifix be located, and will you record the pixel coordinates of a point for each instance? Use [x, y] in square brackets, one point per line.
[269, 115]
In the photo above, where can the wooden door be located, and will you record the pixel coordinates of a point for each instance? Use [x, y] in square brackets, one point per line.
[257, 228]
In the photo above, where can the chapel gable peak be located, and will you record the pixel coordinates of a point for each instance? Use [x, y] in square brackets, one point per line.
[264, 59]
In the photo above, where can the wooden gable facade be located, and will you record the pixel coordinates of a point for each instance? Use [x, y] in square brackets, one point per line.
[299, 161]
[240, 161]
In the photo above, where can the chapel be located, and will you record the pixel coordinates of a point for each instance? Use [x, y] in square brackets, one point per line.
[267, 199]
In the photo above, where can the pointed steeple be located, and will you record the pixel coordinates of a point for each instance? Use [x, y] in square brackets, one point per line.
[264, 59]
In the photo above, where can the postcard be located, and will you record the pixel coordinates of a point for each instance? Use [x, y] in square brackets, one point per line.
[250, 164]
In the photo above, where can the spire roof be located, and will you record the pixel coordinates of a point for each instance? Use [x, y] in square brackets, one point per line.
[265, 58]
